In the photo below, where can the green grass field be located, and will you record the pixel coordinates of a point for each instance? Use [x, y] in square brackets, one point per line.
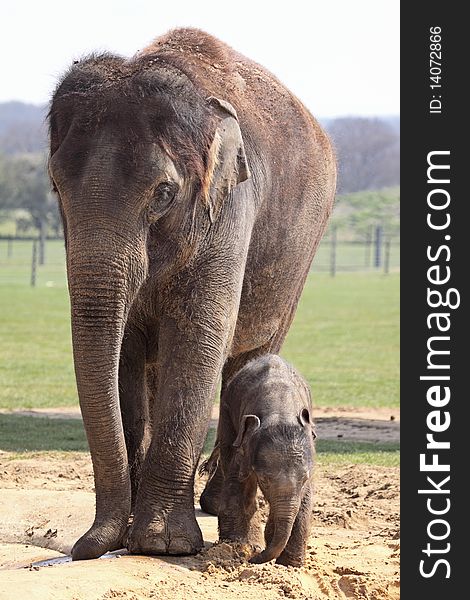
[344, 339]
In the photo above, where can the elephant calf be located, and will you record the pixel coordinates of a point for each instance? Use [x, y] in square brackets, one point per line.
[265, 438]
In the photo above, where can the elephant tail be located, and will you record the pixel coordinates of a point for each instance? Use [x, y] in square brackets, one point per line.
[209, 466]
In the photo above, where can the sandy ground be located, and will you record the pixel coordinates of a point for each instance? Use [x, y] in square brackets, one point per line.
[47, 501]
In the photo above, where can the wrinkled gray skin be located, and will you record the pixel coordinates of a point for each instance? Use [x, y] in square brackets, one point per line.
[265, 439]
[194, 190]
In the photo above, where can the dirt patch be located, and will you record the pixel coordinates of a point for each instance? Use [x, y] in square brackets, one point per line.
[359, 425]
[47, 502]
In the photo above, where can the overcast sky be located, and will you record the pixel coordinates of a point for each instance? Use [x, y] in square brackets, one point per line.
[341, 57]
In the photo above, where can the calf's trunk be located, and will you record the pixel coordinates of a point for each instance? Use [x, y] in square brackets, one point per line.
[282, 516]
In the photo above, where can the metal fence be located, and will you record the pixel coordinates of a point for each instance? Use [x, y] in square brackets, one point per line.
[24, 261]
[379, 253]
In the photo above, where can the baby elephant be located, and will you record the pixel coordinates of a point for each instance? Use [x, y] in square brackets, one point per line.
[265, 438]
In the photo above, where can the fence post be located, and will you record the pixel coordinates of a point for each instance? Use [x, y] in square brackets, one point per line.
[42, 241]
[368, 248]
[9, 248]
[388, 244]
[333, 251]
[378, 246]
[34, 263]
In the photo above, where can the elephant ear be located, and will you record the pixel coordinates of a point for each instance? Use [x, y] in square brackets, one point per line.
[248, 425]
[305, 420]
[227, 165]
[304, 417]
[243, 459]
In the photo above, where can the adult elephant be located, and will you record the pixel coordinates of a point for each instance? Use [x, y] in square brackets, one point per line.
[194, 190]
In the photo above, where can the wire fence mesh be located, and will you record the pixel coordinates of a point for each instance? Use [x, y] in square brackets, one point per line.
[20, 258]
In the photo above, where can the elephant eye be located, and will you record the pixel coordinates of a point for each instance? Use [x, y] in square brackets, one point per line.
[166, 192]
[162, 199]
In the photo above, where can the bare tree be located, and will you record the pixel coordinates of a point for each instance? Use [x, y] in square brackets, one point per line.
[368, 153]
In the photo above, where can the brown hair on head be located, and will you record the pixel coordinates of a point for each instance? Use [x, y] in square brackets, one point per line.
[85, 79]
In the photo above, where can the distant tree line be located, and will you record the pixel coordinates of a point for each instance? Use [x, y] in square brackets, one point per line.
[22, 128]
[367, 150]
[368, 153]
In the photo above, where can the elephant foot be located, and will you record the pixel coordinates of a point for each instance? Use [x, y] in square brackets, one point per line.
[122, 541]
[99, 539]
[210, 497]
[171, 532]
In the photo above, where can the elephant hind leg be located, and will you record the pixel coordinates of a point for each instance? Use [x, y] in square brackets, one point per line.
[210, 497]
[134, 405]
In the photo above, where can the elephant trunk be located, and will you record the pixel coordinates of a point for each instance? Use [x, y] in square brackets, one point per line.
[282, 516]
[100, 277]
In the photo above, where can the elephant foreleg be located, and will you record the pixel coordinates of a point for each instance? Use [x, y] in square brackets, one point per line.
[164, 518]
[237, 510]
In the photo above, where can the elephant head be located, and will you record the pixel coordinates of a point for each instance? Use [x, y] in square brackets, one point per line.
[142, 162]
[281, 456]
